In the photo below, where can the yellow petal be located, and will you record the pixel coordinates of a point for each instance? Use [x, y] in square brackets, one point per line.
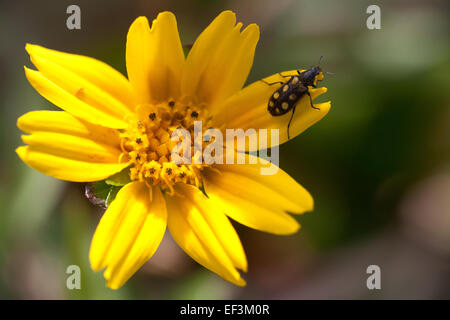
[202, 230]
[70, 99]
[155, 58]
[62, 122]
[255, 200]
[250, 213]
[72, 147]
[68, 148]
[279, 189]
[219, 224]
[129, 233]
[248, 109]
[94, 73]
[67, 169]
[221, 58]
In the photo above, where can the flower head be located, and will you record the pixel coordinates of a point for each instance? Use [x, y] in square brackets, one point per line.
[111, 124]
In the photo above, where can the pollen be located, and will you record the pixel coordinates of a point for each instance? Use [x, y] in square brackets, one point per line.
[147, 145]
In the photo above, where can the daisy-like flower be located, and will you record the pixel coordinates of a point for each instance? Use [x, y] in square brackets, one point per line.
[111, 124]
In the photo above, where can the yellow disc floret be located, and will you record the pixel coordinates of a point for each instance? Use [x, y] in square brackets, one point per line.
[147, 145]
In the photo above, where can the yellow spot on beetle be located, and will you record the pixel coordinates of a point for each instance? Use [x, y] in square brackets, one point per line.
[285, 88]
[292, 96]
[276, 95]
[295, 80]
[271, 104]
[285, 105]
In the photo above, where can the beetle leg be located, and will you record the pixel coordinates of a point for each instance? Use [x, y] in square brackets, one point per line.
[310, 100]
[270, 84]
[284, 75]
[289, 124]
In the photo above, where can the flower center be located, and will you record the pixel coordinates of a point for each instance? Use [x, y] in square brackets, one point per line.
[147, 144]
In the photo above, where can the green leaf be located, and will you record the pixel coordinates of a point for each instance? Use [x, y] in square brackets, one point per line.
[112, 194]
[100, 193]
[119, 179]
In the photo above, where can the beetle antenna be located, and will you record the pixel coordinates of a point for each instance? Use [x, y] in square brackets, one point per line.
[320, 60]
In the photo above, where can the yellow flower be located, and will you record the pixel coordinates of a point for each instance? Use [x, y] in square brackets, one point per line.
[110, 123]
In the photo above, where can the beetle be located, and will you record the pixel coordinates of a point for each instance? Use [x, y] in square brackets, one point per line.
[285, 98]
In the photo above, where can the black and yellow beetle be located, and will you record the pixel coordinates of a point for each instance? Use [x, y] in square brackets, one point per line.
[285, 98]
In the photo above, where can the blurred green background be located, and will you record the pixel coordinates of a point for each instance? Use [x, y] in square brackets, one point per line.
[377, 164]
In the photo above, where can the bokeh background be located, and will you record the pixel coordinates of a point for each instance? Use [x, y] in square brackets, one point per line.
[377, 164]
